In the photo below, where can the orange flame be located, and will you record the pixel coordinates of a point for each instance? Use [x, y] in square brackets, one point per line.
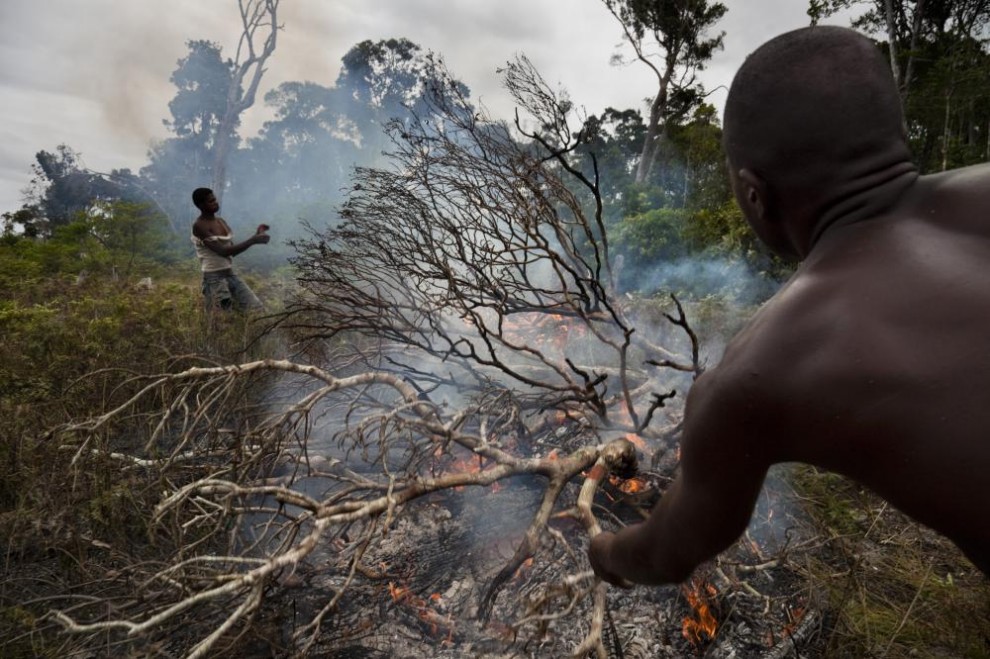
[629, 485]
[524, 568]
[795, 615]
[471, 464]
[638, 442]
[548, 333]
[701, 623]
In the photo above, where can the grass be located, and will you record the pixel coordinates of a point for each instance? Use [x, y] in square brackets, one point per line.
[887, 586]
[891, 587]
[68, 348]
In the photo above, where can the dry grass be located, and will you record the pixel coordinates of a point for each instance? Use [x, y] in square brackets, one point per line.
[65, 531]
[891, 587]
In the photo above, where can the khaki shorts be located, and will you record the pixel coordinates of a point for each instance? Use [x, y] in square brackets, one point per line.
[225, 290]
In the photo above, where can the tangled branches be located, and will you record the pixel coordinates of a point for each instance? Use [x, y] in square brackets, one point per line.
[243, 518]
[468, 334]
[486, 253]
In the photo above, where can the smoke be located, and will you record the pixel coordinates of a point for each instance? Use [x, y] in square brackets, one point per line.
[725, 277]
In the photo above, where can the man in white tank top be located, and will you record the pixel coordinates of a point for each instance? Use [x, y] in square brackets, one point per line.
[215, 247]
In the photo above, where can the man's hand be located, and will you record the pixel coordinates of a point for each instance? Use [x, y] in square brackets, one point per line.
[599, 553]
[262, 228]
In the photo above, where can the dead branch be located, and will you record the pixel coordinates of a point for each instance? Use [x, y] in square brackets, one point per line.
[248, 69]
[295, 522]
[476, 337]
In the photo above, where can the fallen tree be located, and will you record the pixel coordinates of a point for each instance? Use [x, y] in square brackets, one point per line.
[460, 329]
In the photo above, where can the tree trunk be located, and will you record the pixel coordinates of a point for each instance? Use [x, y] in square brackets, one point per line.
[248, 65]
[655, 127]
[905, 85]
[945, 130]
[888, 6]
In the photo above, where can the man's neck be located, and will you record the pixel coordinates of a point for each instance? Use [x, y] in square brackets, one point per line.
[864, 198]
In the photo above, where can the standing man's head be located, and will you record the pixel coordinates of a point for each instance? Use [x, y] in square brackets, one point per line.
[812, 116]
[205, 200]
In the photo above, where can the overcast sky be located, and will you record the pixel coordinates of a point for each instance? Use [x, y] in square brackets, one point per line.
[94, 74]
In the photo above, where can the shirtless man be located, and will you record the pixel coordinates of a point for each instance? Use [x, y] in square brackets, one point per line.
[215, 247]
[873, 361]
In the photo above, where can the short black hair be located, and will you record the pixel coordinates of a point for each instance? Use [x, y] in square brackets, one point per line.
[199, 195]
[810, 104]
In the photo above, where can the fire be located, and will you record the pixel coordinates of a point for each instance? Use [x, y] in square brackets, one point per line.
[424, 610]
[471, 464]
[701, 625]
[638, 442]
[795, 615]
[526, 566]
[629, 485]
[548, 333]
[398, 593]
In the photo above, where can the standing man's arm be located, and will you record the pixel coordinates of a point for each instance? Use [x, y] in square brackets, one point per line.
[709, 504]
[259, 238]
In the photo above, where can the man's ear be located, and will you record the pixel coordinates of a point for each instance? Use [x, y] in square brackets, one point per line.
[759, 207]
[753, 194]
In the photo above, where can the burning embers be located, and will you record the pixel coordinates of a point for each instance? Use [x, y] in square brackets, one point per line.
[427, 610]
[629, 485]
[466, 463]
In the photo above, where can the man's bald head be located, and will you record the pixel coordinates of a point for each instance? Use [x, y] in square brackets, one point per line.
[814, 108]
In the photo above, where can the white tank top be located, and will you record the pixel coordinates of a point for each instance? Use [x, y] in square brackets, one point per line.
[210, 261]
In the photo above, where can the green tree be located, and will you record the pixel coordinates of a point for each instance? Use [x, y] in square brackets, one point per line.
[27, 221]
[133, 234]
[300, 158]
[939, 58]
[201, 79]
[183, 162]
[380, 81]
[212, 94]
[247, 69]
[62, 188]
[616, 140]
[301, 161]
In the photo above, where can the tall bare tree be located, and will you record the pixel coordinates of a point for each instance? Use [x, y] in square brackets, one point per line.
[259, 32]
[671, 37]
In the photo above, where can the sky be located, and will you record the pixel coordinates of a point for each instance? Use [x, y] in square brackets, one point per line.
[95, 75]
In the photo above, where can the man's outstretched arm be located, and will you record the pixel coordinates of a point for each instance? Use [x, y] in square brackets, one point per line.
[706, 508]
[259, 238]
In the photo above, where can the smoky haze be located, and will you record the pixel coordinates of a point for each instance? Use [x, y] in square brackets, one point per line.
[95, 75]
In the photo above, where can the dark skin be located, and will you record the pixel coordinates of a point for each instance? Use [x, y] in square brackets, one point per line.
[210, 224]
[872, 362]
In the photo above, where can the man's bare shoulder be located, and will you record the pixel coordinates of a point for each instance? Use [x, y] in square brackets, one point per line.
[205, 228]
[787, 330]
[972, 179]
[199, 228]
[958, 198]
[770, 348]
